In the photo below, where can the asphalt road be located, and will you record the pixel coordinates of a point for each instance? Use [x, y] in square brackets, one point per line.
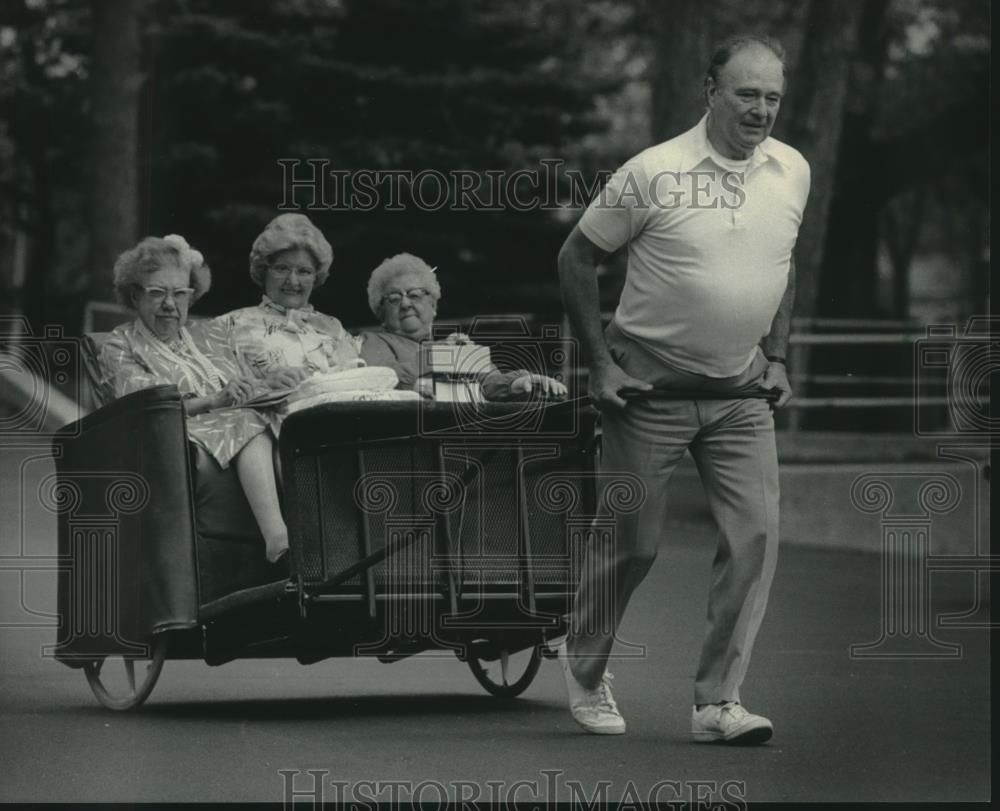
[845, 729]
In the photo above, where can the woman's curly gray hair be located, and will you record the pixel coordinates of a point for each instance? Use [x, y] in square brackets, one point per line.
[287, 232]
[153, 253]
[394, 267]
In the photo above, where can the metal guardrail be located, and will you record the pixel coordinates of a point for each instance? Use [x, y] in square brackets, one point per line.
[855, 332]
[798, 342]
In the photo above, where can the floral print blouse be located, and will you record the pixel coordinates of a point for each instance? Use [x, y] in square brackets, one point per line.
[270, 336]
[199, 362]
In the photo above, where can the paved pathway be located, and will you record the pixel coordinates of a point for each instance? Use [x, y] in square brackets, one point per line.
[846, 729]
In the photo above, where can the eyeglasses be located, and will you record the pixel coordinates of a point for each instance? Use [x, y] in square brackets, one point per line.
[282, 271]
[180, 295]
[417, 294]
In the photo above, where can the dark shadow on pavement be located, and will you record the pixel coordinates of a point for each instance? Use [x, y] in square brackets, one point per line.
[343, 707]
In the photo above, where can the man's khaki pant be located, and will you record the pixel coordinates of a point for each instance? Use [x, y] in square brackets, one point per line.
[732, 443]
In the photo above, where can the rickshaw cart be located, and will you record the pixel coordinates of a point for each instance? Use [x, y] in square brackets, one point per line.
[413, 526]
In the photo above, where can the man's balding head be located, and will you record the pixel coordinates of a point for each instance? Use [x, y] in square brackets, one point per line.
[729, 47]
[744, 85]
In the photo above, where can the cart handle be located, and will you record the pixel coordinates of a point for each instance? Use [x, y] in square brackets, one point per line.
[771, 395]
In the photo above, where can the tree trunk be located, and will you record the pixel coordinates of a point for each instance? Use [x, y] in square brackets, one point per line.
[871, 173]
[114, 84]
[683, 32]
[818, 90]
[902, 226]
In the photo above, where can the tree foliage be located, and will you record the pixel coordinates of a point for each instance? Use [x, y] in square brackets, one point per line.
[43, 113]
[372, 85]
[916, 119]
[886, 97]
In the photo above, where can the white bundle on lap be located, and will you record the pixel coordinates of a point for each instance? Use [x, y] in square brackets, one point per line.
[366, 383]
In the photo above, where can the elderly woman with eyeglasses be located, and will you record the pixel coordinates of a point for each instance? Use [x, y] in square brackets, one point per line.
[284, 339]
[159, 279]
[403, 293]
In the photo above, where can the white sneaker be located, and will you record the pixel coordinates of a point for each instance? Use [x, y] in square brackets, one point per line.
[595, 710]
[729, 723]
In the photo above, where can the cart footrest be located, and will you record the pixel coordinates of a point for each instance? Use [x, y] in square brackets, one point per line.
[244, 597]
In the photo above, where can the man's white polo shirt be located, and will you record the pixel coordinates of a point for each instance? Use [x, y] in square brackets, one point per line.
[709, 247]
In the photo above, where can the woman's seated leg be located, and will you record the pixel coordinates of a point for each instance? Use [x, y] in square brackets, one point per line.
[255, 468]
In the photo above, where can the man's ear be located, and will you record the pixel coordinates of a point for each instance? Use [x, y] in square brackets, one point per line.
[711, 88]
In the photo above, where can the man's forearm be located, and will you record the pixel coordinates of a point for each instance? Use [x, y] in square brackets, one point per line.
[775, 343]
[578, 283]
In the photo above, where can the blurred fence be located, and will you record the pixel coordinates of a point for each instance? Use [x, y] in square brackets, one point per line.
[873, 374]
[870, 367]
[847, 374]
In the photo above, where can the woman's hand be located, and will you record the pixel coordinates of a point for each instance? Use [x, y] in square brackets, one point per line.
[424, 386]
[286, 377]
[458, 338]
[236, 392]
[545, 386]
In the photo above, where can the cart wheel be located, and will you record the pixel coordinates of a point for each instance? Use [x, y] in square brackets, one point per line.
[510, 675]
[121, 692]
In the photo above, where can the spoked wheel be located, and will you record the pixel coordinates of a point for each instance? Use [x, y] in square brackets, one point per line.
[510, 674]
[115, 682]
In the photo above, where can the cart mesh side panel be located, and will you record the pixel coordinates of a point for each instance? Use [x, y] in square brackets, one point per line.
[352, 502]
[489, 533]
[391, 498]
[476, 505]
[558, 503]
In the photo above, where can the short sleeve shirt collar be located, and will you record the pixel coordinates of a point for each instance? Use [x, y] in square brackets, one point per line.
[697, 149]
